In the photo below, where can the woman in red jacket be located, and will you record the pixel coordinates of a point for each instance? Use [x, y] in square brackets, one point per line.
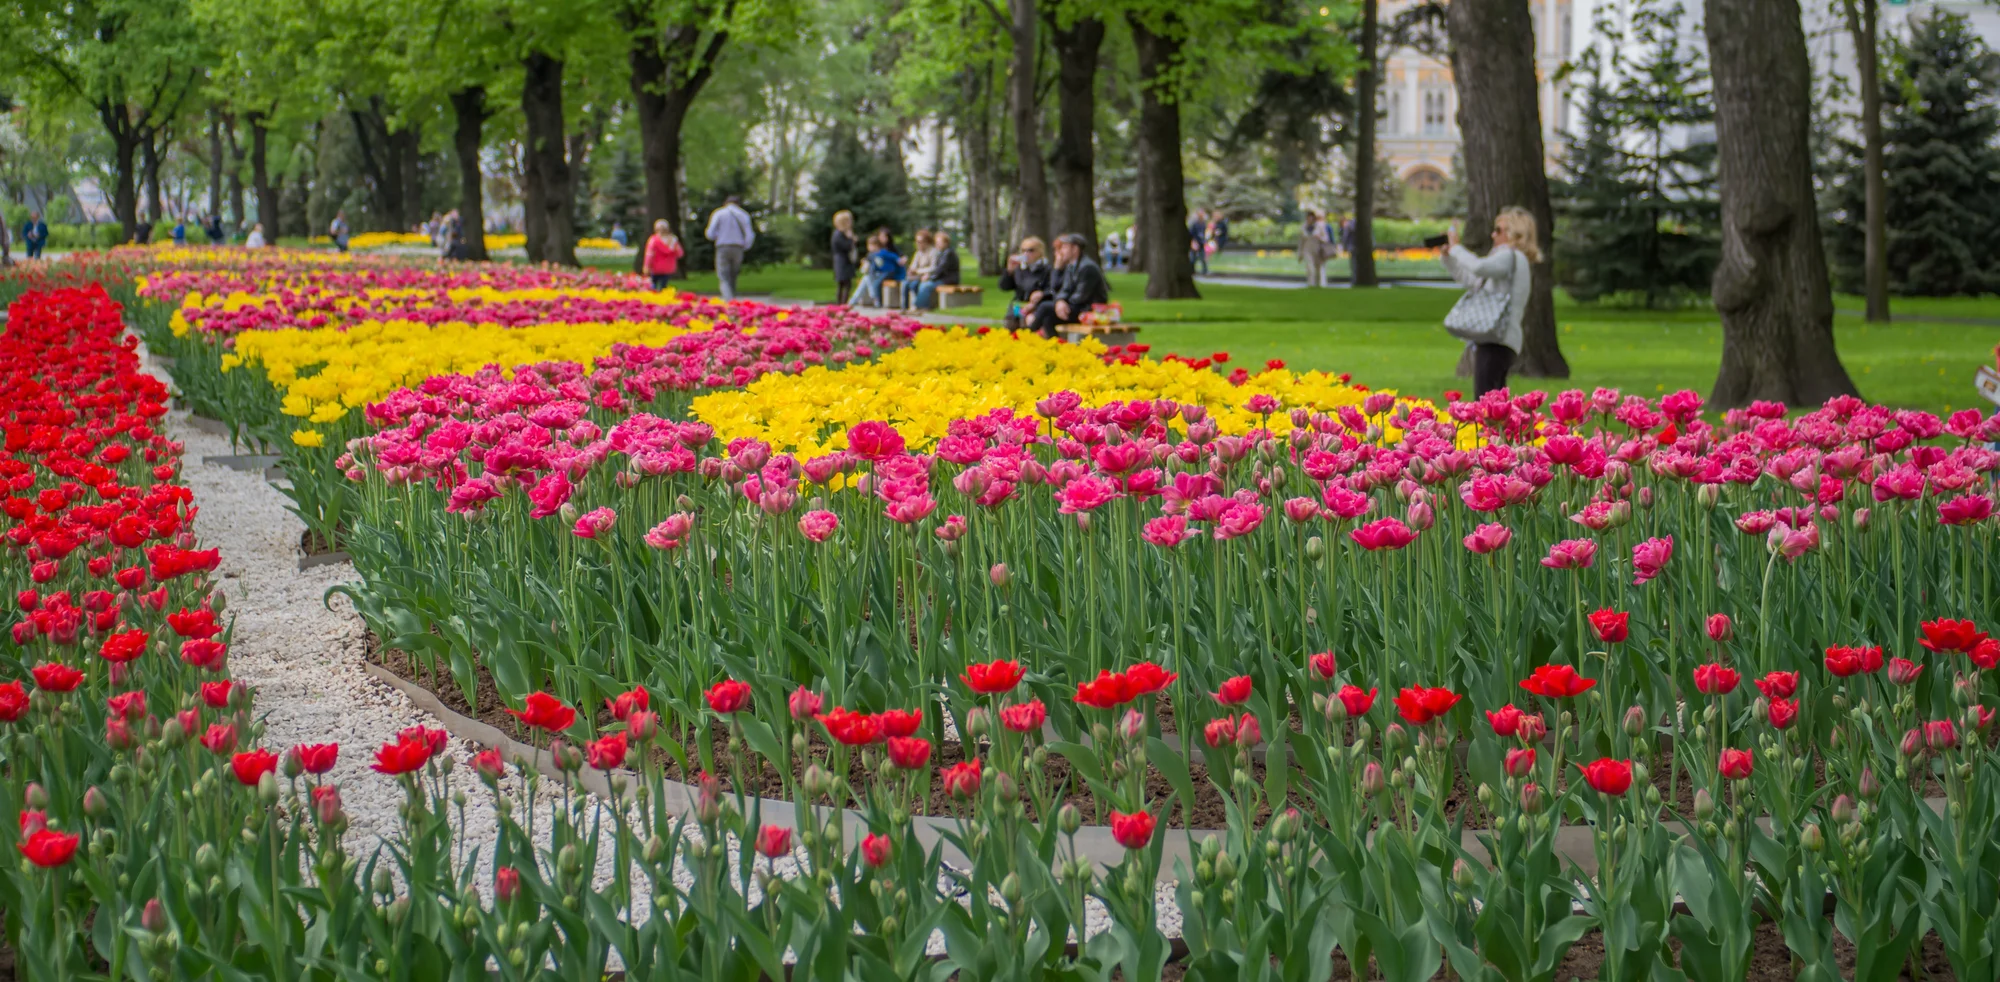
[663, 254]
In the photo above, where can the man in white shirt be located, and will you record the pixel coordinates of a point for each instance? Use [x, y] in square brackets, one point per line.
[729, 228]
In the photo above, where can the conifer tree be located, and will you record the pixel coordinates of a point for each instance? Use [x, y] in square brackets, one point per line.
[1942, 165]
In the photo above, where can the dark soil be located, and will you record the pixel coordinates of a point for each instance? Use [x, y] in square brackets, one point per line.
[311, 543]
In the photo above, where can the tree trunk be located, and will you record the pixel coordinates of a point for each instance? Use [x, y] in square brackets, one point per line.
[1499, 113]
[260, 175]
[668, 72]
[533, 230]
[468, 105]
[1141, 232]
[1032, 187]
[1162, 207]
[1075, 159]
[975, 135]
[1861, 25]
[214, 163]
[1771, 287]
[542, 110]
[1367, 77]
[149, 156]
[379, 161]
[125, 180]
[405, 155]
[235, 172]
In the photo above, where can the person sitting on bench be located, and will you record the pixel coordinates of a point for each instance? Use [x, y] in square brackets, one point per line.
[1079, 285]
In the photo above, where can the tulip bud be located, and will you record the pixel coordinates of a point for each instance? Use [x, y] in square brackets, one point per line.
[1913, 742]
[1812, 838]
[1395, 739]
[94, 804]
[1646, 498]
[1870, 787]
[1461, 874]
[1965, 690]
[1371, 779]
[1069, 819]
[1708, 495]
[1132, 726]
[1635, 722]
[1704, 805]
[1531, 798]
[998, 574]
[154, 917]
[1315, 547]
[1861, 517]
[1843, 809]
[35, 797]
[267, 788]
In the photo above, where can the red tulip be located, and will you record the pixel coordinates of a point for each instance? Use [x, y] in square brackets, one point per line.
[993, 677]
[1146, 678]
[804, 703]
[123, 647]
[1531, 728]
[489, 765]
[1557, 682]
[607, 753]
[1134, 831]
[1607, 776]
[542, 711]
[48, 848]
[1903, 671]
[1844, 661]
[1778, 685]
[130, 706]
[1234, 691]
[728, 696]
[1783, 712]
[204, 653]
[909, 753]
[14, 701]
[220, 738]
[1520, 761]
[1421, 705]
[1986, 654]
[1716, 680]
[1506, 720]
[1356, 700]
[401, 756]
[215, 695]
[774, 841]
[1734, 764]
[900, 722]
[1940, 735]
[194, 623]
[1107, 691]
[961, 780]
[628, 703]
[1612, 626]
[875, 849]
[318, 758]
[506, 883]
[850, 728]
[251, 765]
[1323, 665]
[56, 677]
[1027, 717]
[1944, 635]
[1720, 628]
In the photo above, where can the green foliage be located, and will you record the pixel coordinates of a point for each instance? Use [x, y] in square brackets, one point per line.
[1639, 201]
[852, 179]
[767, 249]
[1940, 121]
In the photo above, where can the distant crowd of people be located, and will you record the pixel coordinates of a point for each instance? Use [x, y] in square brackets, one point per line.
[916, 278]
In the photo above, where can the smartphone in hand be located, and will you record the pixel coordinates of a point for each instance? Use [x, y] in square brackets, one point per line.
[1436, 241]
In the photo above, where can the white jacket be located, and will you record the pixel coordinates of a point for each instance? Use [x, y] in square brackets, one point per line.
[1505, 268]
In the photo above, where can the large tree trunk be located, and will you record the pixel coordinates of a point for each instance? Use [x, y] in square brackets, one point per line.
[1499, 113]
[1771, 287]
[260, 175]
[669, 70]
[214, 163]
[533, 229]
[1032, 187]
[975, 136]
[405, 154]
[1141, 232]
[240, 216]
[125, 139]
[468, 105]
[1075, 159]
[542, 109]
[379, 161]
[1367, 76]
[1861, 25]
[1162, 205]
[149, 155]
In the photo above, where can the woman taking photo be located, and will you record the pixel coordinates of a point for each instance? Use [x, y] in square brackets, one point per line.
[1488, 317]
[663, 254]
[844, 260]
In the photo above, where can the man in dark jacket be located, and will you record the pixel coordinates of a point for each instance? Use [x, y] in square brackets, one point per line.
[944, 272]
[34, 235]
[1079, 286]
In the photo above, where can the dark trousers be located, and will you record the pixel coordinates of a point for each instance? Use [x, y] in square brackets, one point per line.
[34, 250]
[1198, 257]
[660, 280]
[1043, 319]
[1490, 364]
[842, 289]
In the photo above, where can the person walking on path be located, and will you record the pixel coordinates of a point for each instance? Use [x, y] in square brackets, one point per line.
[1506, 271]
[943, 272]
[729, 228]
[1079, 287]
[1029, 276]
[844, 259]
[663, 254]
[34, 235]
[337, 230]
[1315, 248]
[1198, 241]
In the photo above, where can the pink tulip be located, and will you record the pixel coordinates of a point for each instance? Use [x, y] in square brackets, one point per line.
[1571, 554]
[1488, 538]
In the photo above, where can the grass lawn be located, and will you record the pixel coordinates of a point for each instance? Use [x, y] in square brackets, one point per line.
[1390, 338]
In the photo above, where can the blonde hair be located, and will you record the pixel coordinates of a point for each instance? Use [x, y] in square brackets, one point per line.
[661, 228]
[922, 238]
[844, 221]
[1519, 226]
[1034, 244]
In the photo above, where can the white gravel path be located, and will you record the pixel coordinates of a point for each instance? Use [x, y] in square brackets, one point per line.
[304, 661]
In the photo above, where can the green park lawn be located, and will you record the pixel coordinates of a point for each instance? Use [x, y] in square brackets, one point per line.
[1390, 338]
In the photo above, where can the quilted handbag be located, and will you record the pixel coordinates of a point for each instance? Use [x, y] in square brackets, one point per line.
[1480, 317]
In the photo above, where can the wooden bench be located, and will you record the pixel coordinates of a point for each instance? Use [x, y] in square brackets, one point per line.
[1111, 335]
[959, 296]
